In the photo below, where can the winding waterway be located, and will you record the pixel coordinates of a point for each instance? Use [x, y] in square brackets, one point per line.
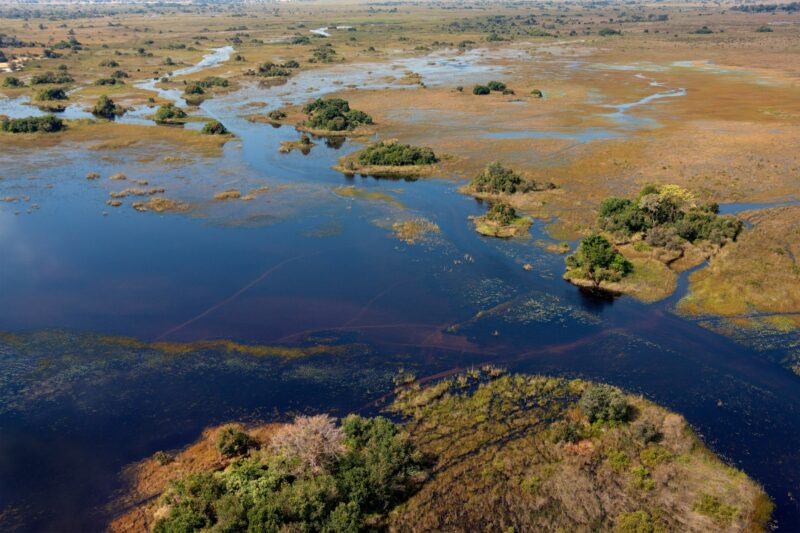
[304, 265]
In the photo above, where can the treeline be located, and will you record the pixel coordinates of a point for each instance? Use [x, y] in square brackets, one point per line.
[792, 7]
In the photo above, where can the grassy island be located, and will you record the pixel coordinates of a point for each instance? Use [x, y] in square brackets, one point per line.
[504, 452]
[501, 220]
[390, 158]
[333, 117]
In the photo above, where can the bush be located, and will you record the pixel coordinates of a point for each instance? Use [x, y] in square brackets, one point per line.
[109, 81]
[49, 77]
[537, 93]
[45, 124]
[481, 90]
[106, 108]
[604, 403]
[214, 127]
[109, 63]
[12, 81]
[169, 113]
[764, 29]
[334, 114]
[501, 213]
[496, 178]
[53, 93]
[635, 522]
[271, 70]
[232, 442]
[396, 154]
[119, 74]
[323, 54]
[496, 86]
[319, 477]
[565, 432]
[607, 32]
[277, 114]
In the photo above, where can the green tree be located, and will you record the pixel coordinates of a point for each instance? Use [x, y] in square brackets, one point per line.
[598, 261]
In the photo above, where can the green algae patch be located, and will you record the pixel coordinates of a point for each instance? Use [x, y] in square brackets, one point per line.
[358, 193]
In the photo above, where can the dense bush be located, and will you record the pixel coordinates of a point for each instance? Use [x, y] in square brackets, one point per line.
[271, 70]
[396, 154]
[597, 260]
[50, 77]
[481, 90]
[109, 81]
[214, 127]
[52, 93]
[334, 114]
[12, 81]
[607, 32]
[496, 179]
[501, 213]
[169, 113]
[604, 403]
[496, 86]
[45, 124]
[316, 477]
[232, 442]
[106, 108]
[277, 114]
[666, 215]
[536, 93]
[323, 54]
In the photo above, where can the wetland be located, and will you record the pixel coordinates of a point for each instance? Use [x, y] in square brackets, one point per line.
[163, 275]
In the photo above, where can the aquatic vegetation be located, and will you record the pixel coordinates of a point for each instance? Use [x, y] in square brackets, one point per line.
[415, 230]
[45, 124]
[352, 191]
[230, 194]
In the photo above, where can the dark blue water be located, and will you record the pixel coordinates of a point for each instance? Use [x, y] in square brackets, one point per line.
[298, 266]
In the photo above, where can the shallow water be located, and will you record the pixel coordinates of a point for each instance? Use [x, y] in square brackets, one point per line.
[299, 266]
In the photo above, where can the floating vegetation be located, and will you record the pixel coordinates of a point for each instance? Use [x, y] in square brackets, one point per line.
[230, 194]
[352, 191]
[415, 230]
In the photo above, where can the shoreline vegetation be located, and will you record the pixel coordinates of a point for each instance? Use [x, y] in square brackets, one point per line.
[483, 447]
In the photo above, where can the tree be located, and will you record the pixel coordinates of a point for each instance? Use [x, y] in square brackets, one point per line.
[598, 261]
[106, 108]
[214, 127]
[605, 403]
[169, 113]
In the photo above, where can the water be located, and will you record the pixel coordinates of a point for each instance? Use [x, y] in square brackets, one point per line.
[301, 265]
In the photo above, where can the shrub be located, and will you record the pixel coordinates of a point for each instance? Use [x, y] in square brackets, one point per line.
[501, 213]
[314, 440]
[604, 403]
[620, 215]
[597, 260]
[214, 127]
[109, 63]
[45, 124]
[169, 113]
[537, 93]
[49, 77]
[106, 108]
[496, 86]
[119, 74]
[232, 442]
[565, 432]
[607, 32]
[52, 93]
[396, 154]
[705, 30]
[646, 433]
[713, 507]
[163, 458]
[764, 29]
[271, 70]
[300, 39]
[635, 522]
[12, 81]
[109, 81]
[323, 54]
[496, 178]
[334, 114]
[349, 475]
[277, 114]
[481, 90]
